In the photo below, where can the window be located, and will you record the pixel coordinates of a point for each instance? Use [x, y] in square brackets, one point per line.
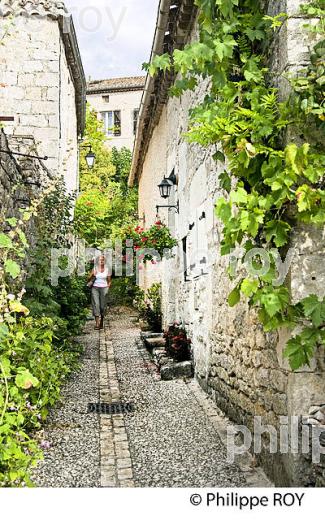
[106, 99]
[135, 120]
[117, 122]
[112, 122]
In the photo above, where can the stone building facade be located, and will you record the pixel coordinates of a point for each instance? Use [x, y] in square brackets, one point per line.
[240, 366]
[42, 83]
[117, 102]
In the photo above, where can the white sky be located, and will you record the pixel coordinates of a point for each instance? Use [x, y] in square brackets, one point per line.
[115, 36]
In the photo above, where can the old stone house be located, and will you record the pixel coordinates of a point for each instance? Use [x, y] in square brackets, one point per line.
[240, 366]
[42, 84]
[117, 102]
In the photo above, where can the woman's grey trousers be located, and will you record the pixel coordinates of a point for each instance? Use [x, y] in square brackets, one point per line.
[99, 300]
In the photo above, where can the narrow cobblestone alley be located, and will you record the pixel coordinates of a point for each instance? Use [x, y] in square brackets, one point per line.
[169, 438]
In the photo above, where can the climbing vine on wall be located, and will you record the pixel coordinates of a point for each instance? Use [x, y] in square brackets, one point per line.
[275, 181]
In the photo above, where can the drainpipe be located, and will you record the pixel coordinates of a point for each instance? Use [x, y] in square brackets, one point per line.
[157, 47]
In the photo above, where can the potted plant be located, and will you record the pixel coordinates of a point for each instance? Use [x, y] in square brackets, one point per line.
[178, 345]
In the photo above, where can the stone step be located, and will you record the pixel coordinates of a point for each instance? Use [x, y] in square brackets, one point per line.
[176, 370]
[154, 343]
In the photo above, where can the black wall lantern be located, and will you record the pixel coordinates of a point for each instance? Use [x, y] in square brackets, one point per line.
[165, 188]
[90, 157]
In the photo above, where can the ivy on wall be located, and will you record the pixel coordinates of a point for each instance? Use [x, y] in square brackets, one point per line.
[271, 181]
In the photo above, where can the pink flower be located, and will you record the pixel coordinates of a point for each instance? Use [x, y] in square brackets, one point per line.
[45, 445]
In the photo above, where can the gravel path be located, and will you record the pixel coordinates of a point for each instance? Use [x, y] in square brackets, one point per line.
[73, 459]
[171, 439]
[168, 440]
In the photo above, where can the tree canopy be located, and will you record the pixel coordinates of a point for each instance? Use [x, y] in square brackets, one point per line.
[105, 203]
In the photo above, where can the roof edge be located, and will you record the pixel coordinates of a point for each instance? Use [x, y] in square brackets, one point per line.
[174, 23]
[70, 41]
[113, 89]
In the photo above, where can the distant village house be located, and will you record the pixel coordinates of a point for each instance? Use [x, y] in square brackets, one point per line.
[117, 102]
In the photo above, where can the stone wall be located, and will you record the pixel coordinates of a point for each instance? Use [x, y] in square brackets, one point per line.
[38, 88]
[240, 366]
[314, 424]
[9, 176]
[68, 162]
[21, 178]
[155, 166]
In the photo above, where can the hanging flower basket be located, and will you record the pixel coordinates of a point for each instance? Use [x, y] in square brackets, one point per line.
[157, 239]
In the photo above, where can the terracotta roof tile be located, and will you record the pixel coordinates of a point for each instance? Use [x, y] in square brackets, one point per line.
[113, 84]
[51, 8]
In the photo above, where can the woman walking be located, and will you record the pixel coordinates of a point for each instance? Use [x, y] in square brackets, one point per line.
[101, 282]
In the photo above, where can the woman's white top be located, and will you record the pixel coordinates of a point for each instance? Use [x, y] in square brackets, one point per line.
[101, 279]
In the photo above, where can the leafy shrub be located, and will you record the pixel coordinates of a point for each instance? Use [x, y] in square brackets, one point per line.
[66, 304]
[32, 369]
[36, 352]
[123, 291]
[106, 203]
[149, 306]
[71, 294]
